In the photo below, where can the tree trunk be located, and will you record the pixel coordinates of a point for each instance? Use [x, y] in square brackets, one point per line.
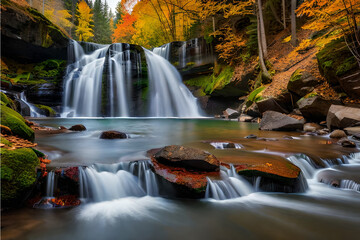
[293, 23]
[261, 56]
[283, 12]
[262, 29]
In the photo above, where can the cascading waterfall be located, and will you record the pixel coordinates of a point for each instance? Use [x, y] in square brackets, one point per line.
[50, 184]
[231, 186]
[223, 145]
[108, 80]
[107, 182]
[163, 51]
[33, 110]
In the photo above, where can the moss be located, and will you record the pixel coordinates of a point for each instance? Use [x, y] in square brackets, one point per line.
[17, 173]
[296, 75]
[255, 96]
[7, 101]
[16, 123]
[312, 94]
[49, 111]
[335, 61]
[6, 142]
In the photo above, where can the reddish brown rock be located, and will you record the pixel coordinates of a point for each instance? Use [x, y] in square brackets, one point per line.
[113, 135]
[78, 128]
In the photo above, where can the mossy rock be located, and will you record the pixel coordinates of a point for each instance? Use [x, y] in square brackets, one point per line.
[47, 110]
[7, 101]
[17, 173]
[255, 96]
[335, 61]
[16, 123]
[5, 141]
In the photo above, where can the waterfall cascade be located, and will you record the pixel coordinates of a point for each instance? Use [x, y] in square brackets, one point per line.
[50, 184]
[111, 80]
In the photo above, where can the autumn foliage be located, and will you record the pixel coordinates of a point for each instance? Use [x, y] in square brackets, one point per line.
[84, 28]
[124, 29]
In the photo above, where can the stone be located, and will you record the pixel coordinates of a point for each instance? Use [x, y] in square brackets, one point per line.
[342, 117]
[270, 104]
[351, 84]
[338, 134]
[322, 132]
[302, 82]
[245, 118]
[345, 142]
[113, 135]
[280, 122]
[287, 137]
[231, 113]
[352, 130]
[253, 111]
[314, 109]
[251, 136]
[312, 127]
[356, 136]
[78, 128]
[188, 158]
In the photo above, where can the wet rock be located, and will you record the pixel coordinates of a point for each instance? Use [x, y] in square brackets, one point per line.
[302, 82]
[352, 130]
[267, 139]
[231, 113]
[312, 127]
[245, 118]
[287, 137]
[251, 136]
[280, 122]
[338, 134]
[188, 158]
[356, 136]
[314, 108]
[113, 135]
[339, 175]
[345, 142]
[253, 111]
[342, 117]
[351, 84]
[270, 104]
[322, 132]
[78, 128]
[62, 128]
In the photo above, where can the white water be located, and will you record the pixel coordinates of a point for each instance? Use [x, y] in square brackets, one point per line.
[163, 51]
[33, 110]
[223, 145]
[50, 184]
[105, 82]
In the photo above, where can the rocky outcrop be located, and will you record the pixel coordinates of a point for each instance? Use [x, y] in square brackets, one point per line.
[280, 122]
[351, 84]
[188, 158]
[28, 36]
[113, 135]
[342, 117]
[314, 108]
[302, 82]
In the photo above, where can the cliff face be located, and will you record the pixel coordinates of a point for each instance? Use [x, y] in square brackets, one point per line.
[28, 37]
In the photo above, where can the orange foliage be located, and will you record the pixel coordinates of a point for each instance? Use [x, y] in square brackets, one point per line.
[124, 29]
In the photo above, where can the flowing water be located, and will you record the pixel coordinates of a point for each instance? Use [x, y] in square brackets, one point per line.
[120, 197]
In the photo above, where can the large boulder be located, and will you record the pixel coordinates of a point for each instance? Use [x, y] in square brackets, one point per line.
[342, 117]
[314, 108]
[16, 123]
[312, 127]
[270, 104]
[351, 84]
[231, 113]
[17, 174]
[188, 158]
[28, 36]
[113, 135]
[280, 122]
[78, 128]
[302, 82]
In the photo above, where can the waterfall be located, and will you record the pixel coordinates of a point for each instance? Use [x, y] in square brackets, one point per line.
[224, 145]
[163, 51]
[110, 81]
[231, 186]
[168, 95]
[50, 184]
[33, 110]
[107, 182]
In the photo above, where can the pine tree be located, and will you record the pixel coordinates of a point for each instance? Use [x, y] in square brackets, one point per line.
[84, 17]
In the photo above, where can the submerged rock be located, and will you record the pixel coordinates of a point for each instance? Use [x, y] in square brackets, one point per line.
[345, 142]
[342, 117]
[186, 157]
[78, 128]
[113, 135]
[277, 121]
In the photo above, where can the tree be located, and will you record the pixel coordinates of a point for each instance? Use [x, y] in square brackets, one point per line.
[60, 18]
[124, 29]
[339, 14]
[293, 23]
[84, 29]
[102, 32]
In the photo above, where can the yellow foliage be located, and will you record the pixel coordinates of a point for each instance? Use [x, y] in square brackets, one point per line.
[84, 16]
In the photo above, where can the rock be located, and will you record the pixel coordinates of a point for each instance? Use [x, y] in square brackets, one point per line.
[270, 104]
[280, 122]
[356, 136]
[314, 108]
[188, 158]
[322, 132]
[62, 128]
[16, 123]
[302, 82]
[113, 135]
[287, 137]
[342, 117]
[345, 142]
[351, 84]
[352, 130]
[338, 134]
[312, 127]
[251, 136]
[231, 113]
[45, 94]
[229, 145]
[245, 118]
[17, 174]
[78, 128]
[253, 111]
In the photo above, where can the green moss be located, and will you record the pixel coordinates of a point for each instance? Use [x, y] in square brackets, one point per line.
[49, 111]
[296, 75]
[6, 142]
[312, 94]
[17, 172]
[16, 123]
[218, 80]
[255, 96]
[7, 101]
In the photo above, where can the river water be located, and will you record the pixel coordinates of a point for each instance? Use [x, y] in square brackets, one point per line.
[322, 212]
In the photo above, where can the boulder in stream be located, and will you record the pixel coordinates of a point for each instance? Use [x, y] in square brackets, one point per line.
[78, 128]
[342, 117]
[280, 122]
[113, 135]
